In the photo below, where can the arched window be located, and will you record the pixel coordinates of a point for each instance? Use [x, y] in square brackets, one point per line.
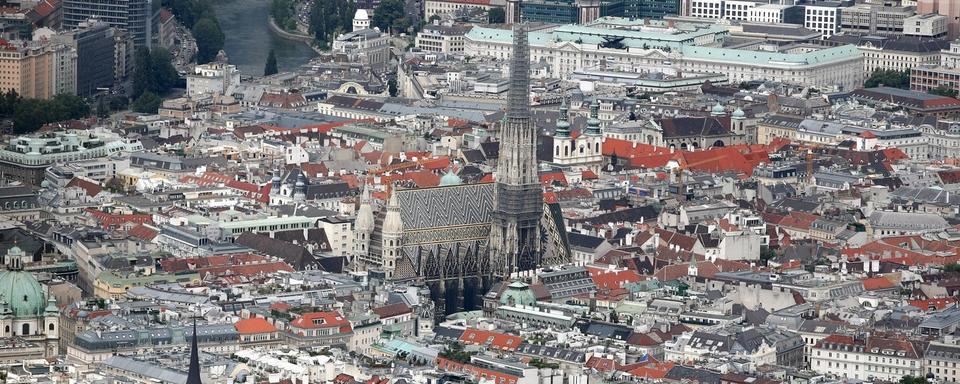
[50, 327]
[6, 329]
[26, 329]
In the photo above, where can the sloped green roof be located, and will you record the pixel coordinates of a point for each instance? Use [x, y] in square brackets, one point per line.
[843, 52]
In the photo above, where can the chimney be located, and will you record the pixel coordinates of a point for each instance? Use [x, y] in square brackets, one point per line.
[773, 103]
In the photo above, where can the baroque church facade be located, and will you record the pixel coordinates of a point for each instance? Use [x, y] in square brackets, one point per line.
[459, 239]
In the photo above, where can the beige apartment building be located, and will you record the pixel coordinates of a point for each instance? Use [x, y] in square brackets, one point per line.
[37, 69]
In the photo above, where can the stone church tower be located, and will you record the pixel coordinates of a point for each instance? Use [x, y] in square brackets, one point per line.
[518, 200]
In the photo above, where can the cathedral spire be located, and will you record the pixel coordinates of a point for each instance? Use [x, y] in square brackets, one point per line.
[518, 206]
[193, 374]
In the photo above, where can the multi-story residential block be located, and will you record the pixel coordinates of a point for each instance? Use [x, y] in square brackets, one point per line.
[442, 38]
[218, 77]
[901, 53]
[945, 74]
[941, 362]
[140, 18]
[872, 358]
[874, 20]
[37, 69]
[317, 329]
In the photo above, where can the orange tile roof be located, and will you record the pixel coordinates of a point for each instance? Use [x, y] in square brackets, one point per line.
[491, 339]
[877, 283]
[933, 304]
[254, 325]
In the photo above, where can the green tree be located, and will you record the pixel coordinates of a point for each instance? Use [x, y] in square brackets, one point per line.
[271, 67]
[119, 103]
[496, 15]
[148, 102]
[164, 72]
[888, 78]
[282, 12]
[913, 380]
[31, 114]
[390, 16]
[329, 18]
[8, 102]
[766, 253]
[434, 18]
[209, 39]
[392, 87]
[951, 267]
[143, 77]
[944, 91]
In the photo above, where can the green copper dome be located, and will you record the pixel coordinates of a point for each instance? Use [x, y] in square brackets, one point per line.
[718, 110]
[518, 293]
[22, 292]
[450, 179]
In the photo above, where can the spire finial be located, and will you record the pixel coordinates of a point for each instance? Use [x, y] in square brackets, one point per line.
[193, 374]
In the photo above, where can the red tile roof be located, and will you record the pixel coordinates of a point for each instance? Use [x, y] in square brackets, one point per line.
[553, 178]
[933, 304]
[91, 188]
[491, 339]
[109, 220]
[392, 310]
[315, 320]
[143, 232]
[606, 279]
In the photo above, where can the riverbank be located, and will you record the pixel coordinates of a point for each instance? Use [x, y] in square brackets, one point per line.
[289, 35]
[244, 23]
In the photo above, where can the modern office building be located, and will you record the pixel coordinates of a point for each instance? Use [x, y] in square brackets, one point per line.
[930, 25]
[776, 14]
[871, 19]
[95, 45]
[568, 11]
[140, 18]
[823, 17]
[650, 9]
[948, 8]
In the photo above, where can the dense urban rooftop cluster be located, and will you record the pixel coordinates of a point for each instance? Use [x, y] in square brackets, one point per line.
[615, 191]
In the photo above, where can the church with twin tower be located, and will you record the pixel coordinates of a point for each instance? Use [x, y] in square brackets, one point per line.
[460, 239]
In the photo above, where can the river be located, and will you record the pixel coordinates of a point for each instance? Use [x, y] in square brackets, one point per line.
[249, 38]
